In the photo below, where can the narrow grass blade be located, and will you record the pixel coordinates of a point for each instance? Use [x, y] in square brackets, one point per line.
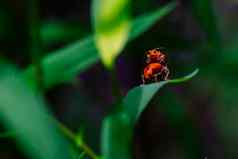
[24, 112]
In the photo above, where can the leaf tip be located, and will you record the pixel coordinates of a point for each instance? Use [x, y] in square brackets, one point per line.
[185, 78]
[172, 5]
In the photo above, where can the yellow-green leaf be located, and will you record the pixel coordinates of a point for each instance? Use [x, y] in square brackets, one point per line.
[111, 20]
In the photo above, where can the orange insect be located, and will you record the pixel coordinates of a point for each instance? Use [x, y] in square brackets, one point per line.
[155, 55]
[156, 69]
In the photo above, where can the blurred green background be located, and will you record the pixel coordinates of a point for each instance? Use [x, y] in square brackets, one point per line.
[50, 67]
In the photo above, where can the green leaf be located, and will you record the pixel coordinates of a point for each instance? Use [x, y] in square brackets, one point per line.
[140, 25]
[23, 112]
[60, 31]
[229, 56]
[116, 137]
[118, 128]
[205, 14]
[82, 155]
[64, 64]
[6, 134]
[138, 98]
[111, 20]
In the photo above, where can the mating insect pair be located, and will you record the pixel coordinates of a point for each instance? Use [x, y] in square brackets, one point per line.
[156, 67]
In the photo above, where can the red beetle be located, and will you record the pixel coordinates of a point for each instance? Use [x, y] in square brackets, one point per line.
[155, 55]
[156, 69]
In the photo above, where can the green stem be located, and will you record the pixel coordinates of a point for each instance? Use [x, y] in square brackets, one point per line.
[34, 42]
[116, 92]
[81, 155]
[70, 135]
[73, 138]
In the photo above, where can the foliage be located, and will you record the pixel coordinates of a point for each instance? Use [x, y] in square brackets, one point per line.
[22, 109]
[114, 144]
[25, 113]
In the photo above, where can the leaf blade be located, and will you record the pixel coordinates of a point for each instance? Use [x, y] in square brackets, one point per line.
[111, 21]
[147, 20]
[23, 112]
[117, 128]
[138, 98]
[116, 145]
[205, 14]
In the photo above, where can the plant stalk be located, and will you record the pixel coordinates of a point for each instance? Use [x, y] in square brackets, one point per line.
[34, 40]
[73, 138]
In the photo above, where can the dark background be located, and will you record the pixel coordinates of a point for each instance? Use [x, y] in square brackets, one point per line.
[196, 119]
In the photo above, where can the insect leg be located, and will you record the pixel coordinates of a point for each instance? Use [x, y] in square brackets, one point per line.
[156, 77]
[143, 79]
[166, 70]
